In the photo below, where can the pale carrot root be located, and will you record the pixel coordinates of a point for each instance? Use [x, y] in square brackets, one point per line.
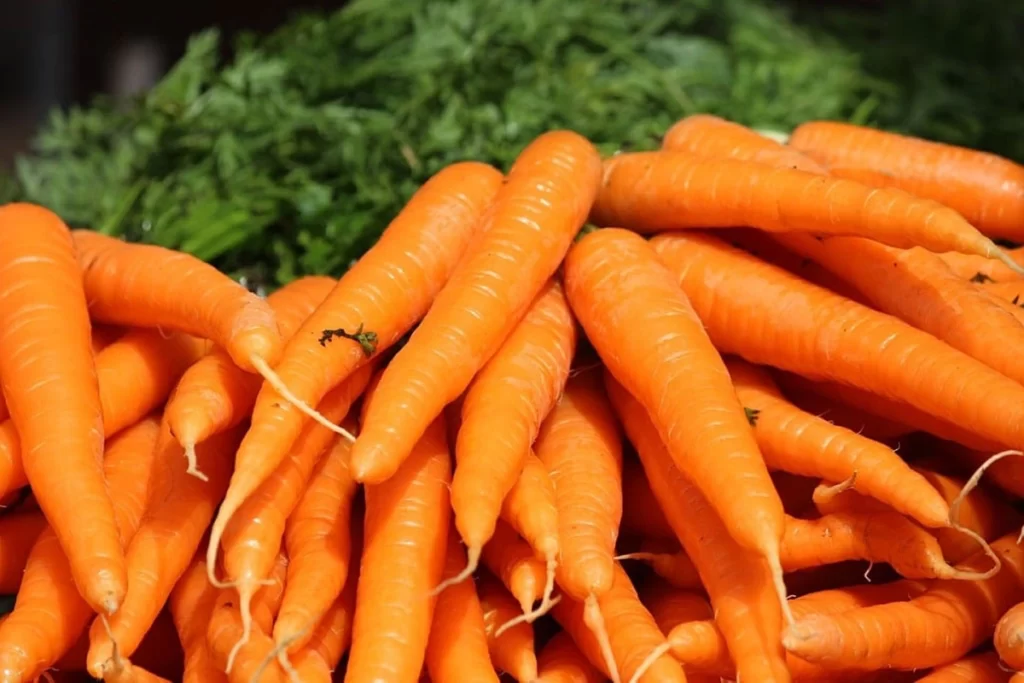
[247, 588]
[1001, 255]
[193, 463]
[472, 562]
[281, 388]
[114, 663]
[280, 653]
[828, 493]
[594, 620]
[649, 661]
[546, 603]
[528, 617]
[779, 581]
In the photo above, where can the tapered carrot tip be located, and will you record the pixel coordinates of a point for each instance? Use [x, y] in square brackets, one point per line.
[807, 636]
[365, 466]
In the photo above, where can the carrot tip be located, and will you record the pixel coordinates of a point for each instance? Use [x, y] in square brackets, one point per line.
[472, 561]
[594, 620]
[281, 388]
[528, 617]
[778, 579]
[649, 661]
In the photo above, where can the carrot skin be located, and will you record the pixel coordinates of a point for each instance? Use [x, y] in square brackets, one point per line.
[191, 604]
[513, 561]
[1009, 637]
[560, 661]
[512, 651]
[979, 668]
[716, 138]
[18, 533]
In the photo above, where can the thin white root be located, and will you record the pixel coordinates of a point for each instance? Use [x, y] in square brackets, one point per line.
[549, 587]
[114, 662]
[472, 562]
[280, 653]
[649, 661]
[279, 386]
[1001, 255]
[48, 676]
[972, 483]
[528, 617]
[193, 462]
[969, 574]
[826, 494]
[776, 135]
[779, 581]
[594, 620]
[246, 591]
[643, 556]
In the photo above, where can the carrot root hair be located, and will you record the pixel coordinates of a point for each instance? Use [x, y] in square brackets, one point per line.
[193, 462]
[649, 661]
[528, 617]
[546, 603]
[472, 562]
[594, 620]
[114, 662]
[246, 590]
[1001, 255]
[779, 581]
[280, 653]
[644, 556]
[827, 493]
[47, 676]
[281, 388]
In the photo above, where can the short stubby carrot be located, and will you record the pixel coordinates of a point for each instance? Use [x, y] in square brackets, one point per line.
[148, 286]
[215, 394]
[711, 136]
[1009, 637]
[937, 627]
[794, 441]
[523, 239]
[979, 668]
[502, 413]
[986, 189]
[406, 530]
[657, 191]
[560, 661]
[653, 343]
[769, 317]
[191, 604]
[49, 614]
[46, 361]
[531, 508]
[18, 533]
[738, 582]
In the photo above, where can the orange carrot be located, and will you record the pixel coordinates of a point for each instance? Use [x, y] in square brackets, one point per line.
[149, 286]
[671, 606]
[523, 238]
[162, 548]
[979, 668]
[986, 189]
[670, 563]
[797, 442]
[512, 560]
[876, 353]
[130, 673]
[18, 533]
[333, 634]
[738, 582]
[215, 394]
[937, 627]
[657, 191]
[46, 361]
[406, 529]
[706, 135]
[49, 614]
[457, 646]
[511, 650]
[509, 398]
[803, 395]
[135, 375]
[191, 603]
[612, 275]
[560, 661]
[980, 269]
[1009, 637]
[1013, 292]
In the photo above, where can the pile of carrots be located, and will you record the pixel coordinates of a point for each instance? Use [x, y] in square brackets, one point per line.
[734, 410]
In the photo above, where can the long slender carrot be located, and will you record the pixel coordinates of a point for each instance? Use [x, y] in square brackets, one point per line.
[18, 533]
[135, 375]
[191, 604]
[986, 189]
[252, 540]
[511, 649]
[657, 191]
[165, 542]
[406, 529]
[937, 627]
[49, 614]
[46, 361]
[512, 560]
[710, 136]
[215, 394]
[613, 276]
[1009, 637]
[738, 582]
[794, 441]
[560, 661]
[980, 668]
[523, 238]
[502, 413]
[149, 286]
[826, 336]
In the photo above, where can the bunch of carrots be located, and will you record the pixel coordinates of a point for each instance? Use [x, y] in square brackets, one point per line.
[734, 410]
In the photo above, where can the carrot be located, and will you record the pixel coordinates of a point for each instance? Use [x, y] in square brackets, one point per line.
[877, 353]
[512, 560]
[980, 269]
[130, 673]
[457, 645]
[46, 361]
[148, 286]
[580, 445]
[18, 533]
[656, 191]
[509, 397]
[671, 564]
[639, 517]
[511, 650]
[252, 540]
[49, 614]
[794, 441]
[706, 135]
[937, 627]
[406, 529]
[980, 668]
[333, 634]
[738, 582]
[135, 375]
[671, 606]
[1009, 637]
[162, 548]
[318, 542]
[560, 661]
[523, 238]
[802, 393]
[1013, 292]
[215, 394]
[986, 189]
[191, 604]
[612, 275]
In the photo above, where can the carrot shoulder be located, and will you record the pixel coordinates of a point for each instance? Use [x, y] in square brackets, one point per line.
[523, 239]
[46, 361]
[653, 343]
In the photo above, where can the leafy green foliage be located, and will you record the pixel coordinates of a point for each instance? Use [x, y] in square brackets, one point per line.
[292, 157]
